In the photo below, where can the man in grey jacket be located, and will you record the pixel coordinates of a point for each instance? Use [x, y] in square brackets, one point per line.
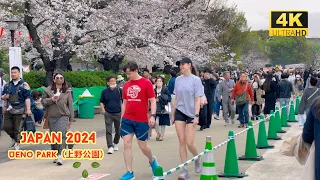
[225, 89]
[309, 95]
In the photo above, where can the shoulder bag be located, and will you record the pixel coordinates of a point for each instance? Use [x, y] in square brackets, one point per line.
[242, 98]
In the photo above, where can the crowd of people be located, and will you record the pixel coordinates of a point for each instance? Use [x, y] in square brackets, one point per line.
[147, 102]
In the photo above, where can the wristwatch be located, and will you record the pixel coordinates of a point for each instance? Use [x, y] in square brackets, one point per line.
[153, 115]
[197, 115]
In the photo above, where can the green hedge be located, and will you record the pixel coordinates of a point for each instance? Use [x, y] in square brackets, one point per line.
[77, 79]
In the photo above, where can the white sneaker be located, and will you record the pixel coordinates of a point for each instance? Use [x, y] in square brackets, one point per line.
[111, 150]
[115, 147]
[13, 143]
[17, 146]
[59, 160]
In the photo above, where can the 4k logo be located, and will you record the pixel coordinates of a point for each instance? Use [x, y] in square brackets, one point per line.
[288, 23]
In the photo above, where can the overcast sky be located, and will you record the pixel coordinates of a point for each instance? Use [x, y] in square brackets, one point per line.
[257, 12]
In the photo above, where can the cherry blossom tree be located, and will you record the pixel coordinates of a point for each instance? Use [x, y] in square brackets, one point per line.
[145, 31]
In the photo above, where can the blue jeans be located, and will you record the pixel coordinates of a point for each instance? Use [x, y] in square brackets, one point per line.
[216, 107]
[1, 119]
[285, 101]
[38, 115]
[243, 111]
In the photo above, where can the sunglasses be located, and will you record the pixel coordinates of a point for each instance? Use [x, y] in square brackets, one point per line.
[61, 78]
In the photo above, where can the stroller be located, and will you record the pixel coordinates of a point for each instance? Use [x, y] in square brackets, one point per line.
[255, 109]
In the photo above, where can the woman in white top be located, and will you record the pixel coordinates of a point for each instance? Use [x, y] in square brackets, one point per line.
[188, 90]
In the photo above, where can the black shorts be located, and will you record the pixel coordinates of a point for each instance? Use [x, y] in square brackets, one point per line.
[179, 116]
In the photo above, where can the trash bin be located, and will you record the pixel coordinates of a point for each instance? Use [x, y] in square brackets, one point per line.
[86, 107]
[76, 93]
[96, 92]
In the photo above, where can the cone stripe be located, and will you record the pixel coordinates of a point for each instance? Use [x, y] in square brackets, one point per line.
[209, 157]
[209, 171]
[208, 164]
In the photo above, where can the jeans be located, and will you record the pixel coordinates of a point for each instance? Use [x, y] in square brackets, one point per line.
[38, 115]
[216, 107]
[243, 111]
[285, 101]
[1, 120]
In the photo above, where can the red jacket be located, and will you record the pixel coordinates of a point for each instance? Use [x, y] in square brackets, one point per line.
[239, 89]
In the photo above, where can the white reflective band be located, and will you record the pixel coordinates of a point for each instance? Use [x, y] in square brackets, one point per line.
[208, 157]
[209, 171]
[249, 126]
[230, 137]
[158, 178]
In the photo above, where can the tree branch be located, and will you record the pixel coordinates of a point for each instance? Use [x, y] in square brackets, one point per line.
[41, 22]
[36, 42]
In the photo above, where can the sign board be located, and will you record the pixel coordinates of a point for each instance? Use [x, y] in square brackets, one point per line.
[288, 23]
[15, 58]
[95, 176]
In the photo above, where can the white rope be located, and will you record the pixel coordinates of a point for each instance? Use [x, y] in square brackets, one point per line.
[215, 147]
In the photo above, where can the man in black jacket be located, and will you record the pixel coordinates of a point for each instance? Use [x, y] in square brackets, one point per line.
[209, 84]
[285, 91]
[110, 103]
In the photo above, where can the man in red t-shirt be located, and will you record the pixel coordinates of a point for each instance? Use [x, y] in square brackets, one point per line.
[137, 91]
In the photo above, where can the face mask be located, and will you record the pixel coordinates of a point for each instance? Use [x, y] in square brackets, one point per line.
[113, 86]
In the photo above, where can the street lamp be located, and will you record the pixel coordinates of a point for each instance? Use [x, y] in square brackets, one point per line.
[13, 26]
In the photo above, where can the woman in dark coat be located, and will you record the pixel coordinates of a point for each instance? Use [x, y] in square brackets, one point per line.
[311, 133]
[163, 98]
[270, 88]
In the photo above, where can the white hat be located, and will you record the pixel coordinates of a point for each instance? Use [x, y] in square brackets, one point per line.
[120, 78]
[298, 76]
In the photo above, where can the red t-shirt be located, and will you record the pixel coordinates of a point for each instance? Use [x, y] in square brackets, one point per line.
[137, 94]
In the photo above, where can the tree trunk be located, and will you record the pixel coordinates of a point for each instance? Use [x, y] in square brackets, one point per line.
[112, 64]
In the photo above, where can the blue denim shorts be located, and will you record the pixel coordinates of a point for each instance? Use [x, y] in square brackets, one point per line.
[140, 129]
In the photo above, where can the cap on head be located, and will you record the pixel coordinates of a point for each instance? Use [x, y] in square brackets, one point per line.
[184, 60]
[1, 70]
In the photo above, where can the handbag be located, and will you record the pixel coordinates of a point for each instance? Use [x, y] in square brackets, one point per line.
[45, 121]
[242, 98]
[308, 171]
[289, 146]
[30, 124]
[167, 108]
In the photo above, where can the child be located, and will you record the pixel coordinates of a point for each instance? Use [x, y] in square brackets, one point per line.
[38, 107]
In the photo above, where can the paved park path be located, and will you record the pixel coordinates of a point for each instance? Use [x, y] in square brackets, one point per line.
[275, 166]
